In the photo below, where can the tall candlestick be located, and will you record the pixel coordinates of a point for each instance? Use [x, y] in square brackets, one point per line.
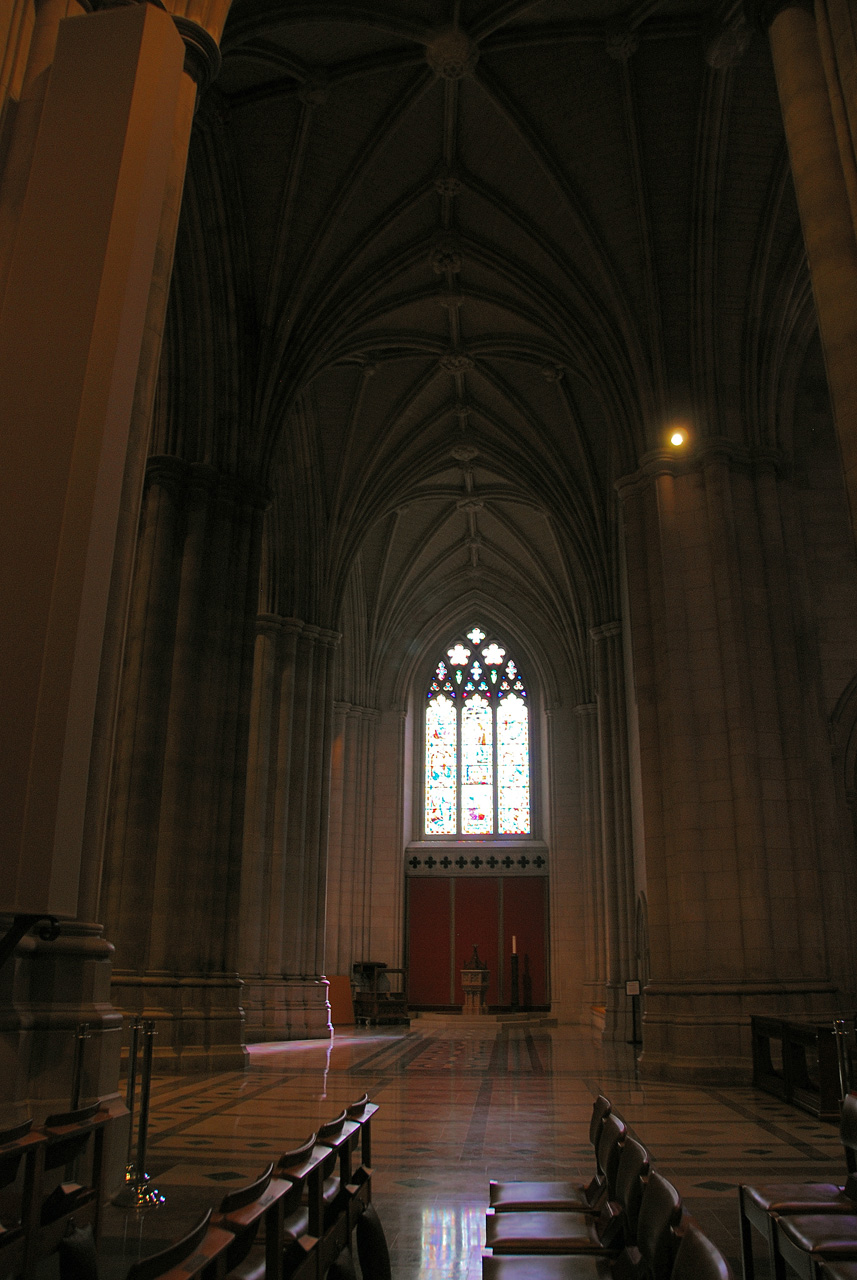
[514, 945]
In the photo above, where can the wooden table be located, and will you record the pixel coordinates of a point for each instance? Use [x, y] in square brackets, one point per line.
[807, 1074]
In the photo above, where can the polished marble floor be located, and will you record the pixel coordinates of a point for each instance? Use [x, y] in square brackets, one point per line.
[462, 1102]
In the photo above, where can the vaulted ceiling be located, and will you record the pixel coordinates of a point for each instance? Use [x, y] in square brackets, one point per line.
[449, 268]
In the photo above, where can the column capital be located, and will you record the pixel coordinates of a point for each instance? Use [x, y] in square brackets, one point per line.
[202, 60]
[761, 13]
[166, 471]
[715, 451]
[268, 624]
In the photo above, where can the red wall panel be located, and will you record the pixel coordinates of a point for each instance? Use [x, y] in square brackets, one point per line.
[524, 917]
[429, 922]
[476, 921]
[476, 910]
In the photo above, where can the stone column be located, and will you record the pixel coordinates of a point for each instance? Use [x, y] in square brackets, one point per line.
[201, 63]
[349, 880]
[819, 109]
[731, 756]
[306, 835]
[174, 851]
[284, 872]
[586, 716]
[262, 879]
[90, 176]
[616, 834]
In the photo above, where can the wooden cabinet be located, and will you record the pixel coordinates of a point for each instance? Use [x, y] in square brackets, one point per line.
[380, 994]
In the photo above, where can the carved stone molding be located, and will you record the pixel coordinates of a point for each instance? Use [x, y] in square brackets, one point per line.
[446, 253]
[166, 471]
[202, 59]
[464, 453]
[456, 362]
[606, 630]
[447, 184]
[314, 92]
[621, 44]
[451, 54]
[717, 451]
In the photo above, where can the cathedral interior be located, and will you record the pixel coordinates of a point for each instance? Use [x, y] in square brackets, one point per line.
[341, 344]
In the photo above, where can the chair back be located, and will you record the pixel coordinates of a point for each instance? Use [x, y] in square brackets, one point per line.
[297, 1155]
[10, 1159]
[333, 1128]
[697, 1258]
[601, 1109]
[159, 1263]
[630, 1184]
[848, 1132]
[660, 1213]
[17, 1132]
[613, 1135]
[242, 1196]
[61, 1118]
[355, 1111]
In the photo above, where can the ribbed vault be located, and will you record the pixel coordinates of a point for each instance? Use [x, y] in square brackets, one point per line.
[461, 264]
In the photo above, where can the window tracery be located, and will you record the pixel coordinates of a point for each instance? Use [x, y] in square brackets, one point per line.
[477, 742]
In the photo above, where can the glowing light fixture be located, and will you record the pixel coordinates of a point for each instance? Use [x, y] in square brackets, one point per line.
[677, 437]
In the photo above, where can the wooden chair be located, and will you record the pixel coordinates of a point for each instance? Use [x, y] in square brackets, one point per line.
[652, 1256]
[836, 1271]
[70, 1138]
[758, 1206]
[359, 1185]
[202, 1252]
[242, 1212]
[804, 1241]
[303, 1207]
[361, 1113]
[559, 1231]
[18, 1209]
[335, 1138]
[697, 1258]
[508, 1197]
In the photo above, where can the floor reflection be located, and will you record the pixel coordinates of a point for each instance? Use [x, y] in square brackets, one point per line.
[451, 1240]
[461, 1103]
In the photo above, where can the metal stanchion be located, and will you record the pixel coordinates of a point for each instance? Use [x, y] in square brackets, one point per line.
[139, 1192]
[841, 1034]
[131, 1094]
[81, 1037]
[77, 1074]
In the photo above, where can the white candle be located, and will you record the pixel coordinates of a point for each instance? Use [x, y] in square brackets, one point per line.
[514, 945]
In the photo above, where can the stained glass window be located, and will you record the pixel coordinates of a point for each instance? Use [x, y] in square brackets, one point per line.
[441, 780]
[477, 742]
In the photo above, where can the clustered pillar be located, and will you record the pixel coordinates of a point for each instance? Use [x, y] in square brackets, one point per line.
[286, 832]
[814, 50]
[174, 849]
[733, 760]
[586, 723]
[616, 840]
[88, 211]
[349, 894]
